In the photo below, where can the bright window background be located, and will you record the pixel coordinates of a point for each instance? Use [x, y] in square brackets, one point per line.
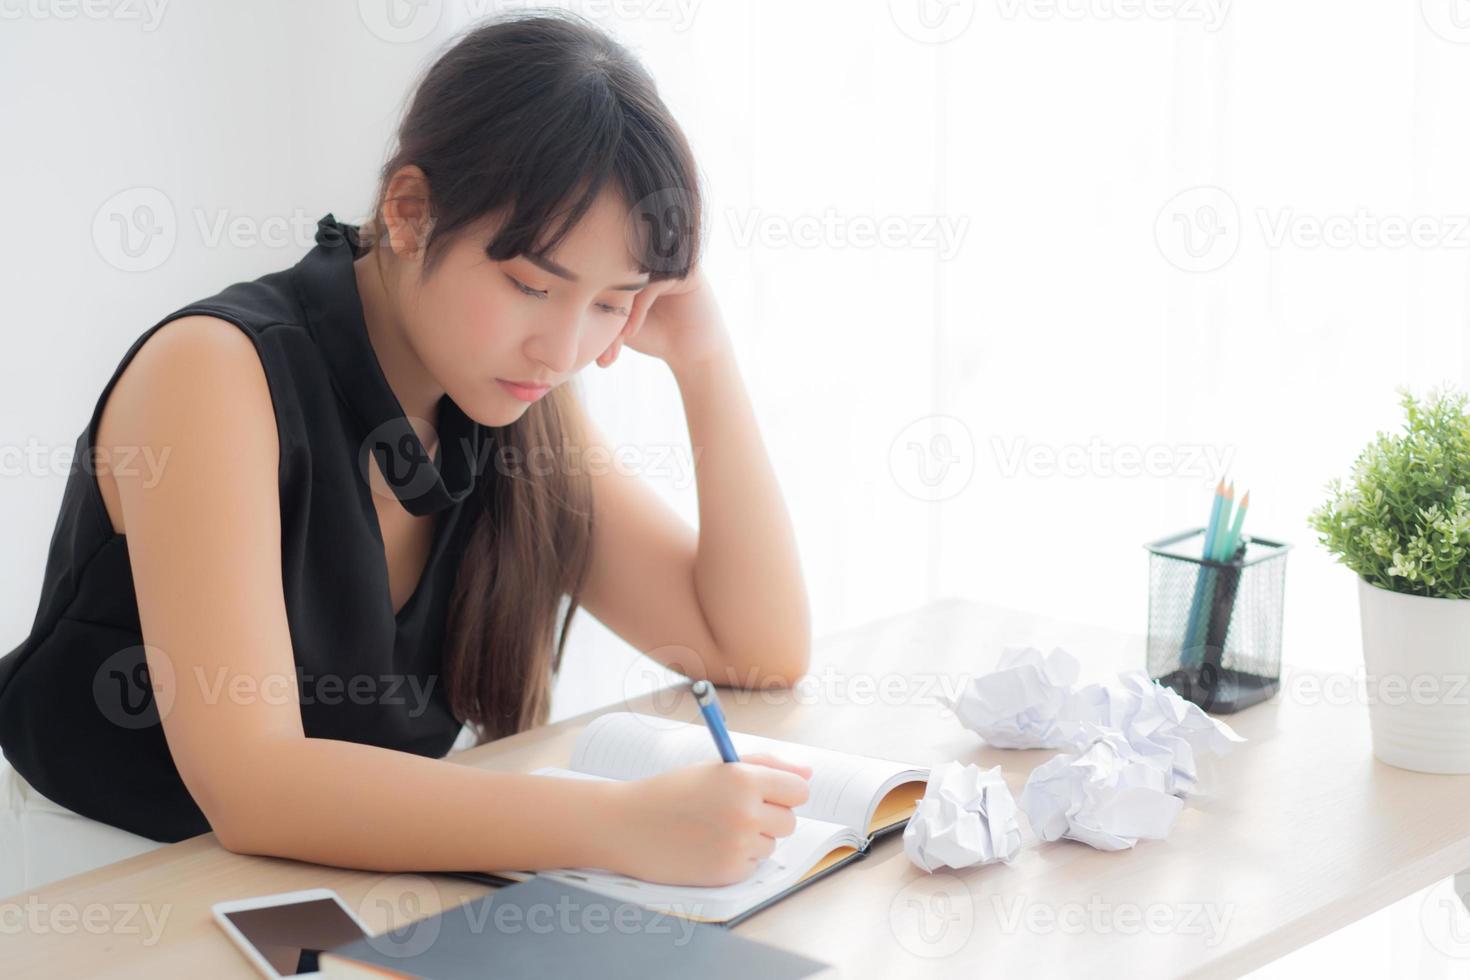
[1097, 252]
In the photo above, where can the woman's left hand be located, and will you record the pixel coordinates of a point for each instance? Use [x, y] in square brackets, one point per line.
[676, 320]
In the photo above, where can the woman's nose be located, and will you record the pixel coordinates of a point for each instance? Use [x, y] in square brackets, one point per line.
[554, 343]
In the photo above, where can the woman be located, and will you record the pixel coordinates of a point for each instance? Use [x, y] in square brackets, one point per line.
[331, 518]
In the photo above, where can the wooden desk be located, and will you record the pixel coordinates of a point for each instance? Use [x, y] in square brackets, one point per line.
[1303, 833]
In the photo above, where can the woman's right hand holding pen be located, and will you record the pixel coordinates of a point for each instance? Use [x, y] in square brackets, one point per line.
[705, 824]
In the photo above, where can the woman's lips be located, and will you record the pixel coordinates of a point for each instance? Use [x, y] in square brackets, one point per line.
[525, 392]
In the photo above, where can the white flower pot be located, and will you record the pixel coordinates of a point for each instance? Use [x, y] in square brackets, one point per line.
[1416, 651]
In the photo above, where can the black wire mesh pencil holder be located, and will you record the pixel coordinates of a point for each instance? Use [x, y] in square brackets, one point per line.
[1214, 627]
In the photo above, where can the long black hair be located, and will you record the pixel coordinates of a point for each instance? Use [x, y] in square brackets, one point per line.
[531, 118]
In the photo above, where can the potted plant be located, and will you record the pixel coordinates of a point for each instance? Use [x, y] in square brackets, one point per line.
[1403, 524]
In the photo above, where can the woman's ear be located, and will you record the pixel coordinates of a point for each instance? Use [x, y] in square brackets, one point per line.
[407, 217]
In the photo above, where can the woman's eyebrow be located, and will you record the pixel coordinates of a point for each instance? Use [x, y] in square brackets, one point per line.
[561, 271]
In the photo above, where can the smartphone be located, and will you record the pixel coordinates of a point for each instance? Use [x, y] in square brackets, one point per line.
[282, 935]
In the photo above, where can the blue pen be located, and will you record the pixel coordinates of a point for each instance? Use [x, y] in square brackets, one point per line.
[709, 706]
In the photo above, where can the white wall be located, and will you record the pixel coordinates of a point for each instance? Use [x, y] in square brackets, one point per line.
[1056, 140]
[262, 116]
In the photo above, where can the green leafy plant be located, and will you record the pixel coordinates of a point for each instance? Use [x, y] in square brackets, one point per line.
[1403, 522]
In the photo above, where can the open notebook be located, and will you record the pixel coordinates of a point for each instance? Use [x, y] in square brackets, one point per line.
[854, 799]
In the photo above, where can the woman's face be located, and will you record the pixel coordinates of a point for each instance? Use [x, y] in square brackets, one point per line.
[479, 325]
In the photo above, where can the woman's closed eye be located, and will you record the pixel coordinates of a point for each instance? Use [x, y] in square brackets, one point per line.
[611, 309]
[537, 293]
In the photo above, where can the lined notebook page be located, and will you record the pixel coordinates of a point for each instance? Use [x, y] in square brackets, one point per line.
[627, 745]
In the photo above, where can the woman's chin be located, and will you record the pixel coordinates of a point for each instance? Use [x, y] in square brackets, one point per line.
[494, 416]
[491, 405]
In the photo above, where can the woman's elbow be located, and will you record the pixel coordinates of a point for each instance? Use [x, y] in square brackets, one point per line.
[783, 667]
[241, 832]
[233, 841]
[236, 810]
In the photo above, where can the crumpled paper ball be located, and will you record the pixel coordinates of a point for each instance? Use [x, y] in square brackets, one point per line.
[1028, 702]
[1016, 706]
[966, 818]
[1163, 728]
[1108, 795]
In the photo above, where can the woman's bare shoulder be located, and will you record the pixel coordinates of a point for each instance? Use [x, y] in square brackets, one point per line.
[196, 380]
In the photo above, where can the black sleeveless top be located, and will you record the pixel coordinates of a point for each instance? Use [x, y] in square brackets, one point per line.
[78, 719]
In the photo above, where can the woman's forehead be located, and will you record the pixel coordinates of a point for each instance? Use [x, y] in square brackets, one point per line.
[603, 245]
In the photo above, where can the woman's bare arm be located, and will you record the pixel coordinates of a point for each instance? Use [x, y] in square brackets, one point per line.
[204, 542]
[732, 591]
